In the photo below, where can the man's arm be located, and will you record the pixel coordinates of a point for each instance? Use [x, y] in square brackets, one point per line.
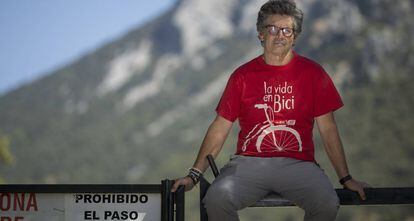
[333, 147]
[213, 142]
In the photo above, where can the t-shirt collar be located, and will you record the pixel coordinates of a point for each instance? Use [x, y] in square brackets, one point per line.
[262, 62]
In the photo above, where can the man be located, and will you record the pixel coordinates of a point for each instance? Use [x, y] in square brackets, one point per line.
[276, 97]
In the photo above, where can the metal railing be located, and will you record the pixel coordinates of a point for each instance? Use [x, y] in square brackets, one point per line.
[375, 196]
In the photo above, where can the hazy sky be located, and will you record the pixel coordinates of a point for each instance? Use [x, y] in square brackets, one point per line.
[37, 37]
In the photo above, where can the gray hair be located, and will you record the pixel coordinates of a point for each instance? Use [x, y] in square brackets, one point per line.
[280, 7]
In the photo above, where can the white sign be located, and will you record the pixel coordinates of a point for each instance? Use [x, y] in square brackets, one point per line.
[80, 206]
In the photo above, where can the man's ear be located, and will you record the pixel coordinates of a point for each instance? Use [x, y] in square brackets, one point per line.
[294, 40]
[260, 36]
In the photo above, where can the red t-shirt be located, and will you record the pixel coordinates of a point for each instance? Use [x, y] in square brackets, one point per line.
[276, 106]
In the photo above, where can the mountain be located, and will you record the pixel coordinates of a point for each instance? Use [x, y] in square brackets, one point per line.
[136, 109]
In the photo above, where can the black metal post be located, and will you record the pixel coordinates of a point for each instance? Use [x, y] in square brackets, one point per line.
[179, 203]
[204, 185]
[165, 201]
[213, 165]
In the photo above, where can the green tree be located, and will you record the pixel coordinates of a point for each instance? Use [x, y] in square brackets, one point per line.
[5, 156]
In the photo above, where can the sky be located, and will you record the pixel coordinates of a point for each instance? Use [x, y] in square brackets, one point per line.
[36, 37]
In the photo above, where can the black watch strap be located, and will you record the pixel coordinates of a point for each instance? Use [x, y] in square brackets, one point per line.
[343, 180]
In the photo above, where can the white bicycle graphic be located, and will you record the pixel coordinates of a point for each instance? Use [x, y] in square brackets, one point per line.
[273, 137]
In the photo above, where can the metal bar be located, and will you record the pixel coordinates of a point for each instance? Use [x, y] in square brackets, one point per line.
[80, 188]
[273, 200]
[378, 196]
[164, 200]
[204, 185]
[180, 203]
[170, 204]
[213, 165]
[375, 196]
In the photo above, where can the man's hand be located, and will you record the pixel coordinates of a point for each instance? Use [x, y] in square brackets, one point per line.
[357, 186]
[186, 181]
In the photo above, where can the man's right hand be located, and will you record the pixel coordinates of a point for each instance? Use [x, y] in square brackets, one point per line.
[186, 181]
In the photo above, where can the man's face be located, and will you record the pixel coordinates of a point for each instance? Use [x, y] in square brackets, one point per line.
[278, 37]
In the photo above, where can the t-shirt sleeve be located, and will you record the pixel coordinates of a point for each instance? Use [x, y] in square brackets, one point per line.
[327, 98]
[229, 104]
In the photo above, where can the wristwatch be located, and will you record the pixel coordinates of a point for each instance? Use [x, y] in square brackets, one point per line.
[343, 180]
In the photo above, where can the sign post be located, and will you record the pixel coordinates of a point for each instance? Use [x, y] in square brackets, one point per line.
[152, 202]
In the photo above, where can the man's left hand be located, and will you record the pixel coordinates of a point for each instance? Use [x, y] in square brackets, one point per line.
[357, 186]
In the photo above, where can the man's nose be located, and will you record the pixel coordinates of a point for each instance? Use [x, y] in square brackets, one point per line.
[280, 33]
[280, 37]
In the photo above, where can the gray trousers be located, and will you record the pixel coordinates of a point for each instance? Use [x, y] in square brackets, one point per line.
[245, 180]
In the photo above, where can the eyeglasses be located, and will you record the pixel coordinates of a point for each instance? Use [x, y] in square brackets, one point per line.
[274, 30]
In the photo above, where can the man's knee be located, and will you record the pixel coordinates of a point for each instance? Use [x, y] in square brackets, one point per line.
[330, 206]
[327, 208]
[218, 197]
